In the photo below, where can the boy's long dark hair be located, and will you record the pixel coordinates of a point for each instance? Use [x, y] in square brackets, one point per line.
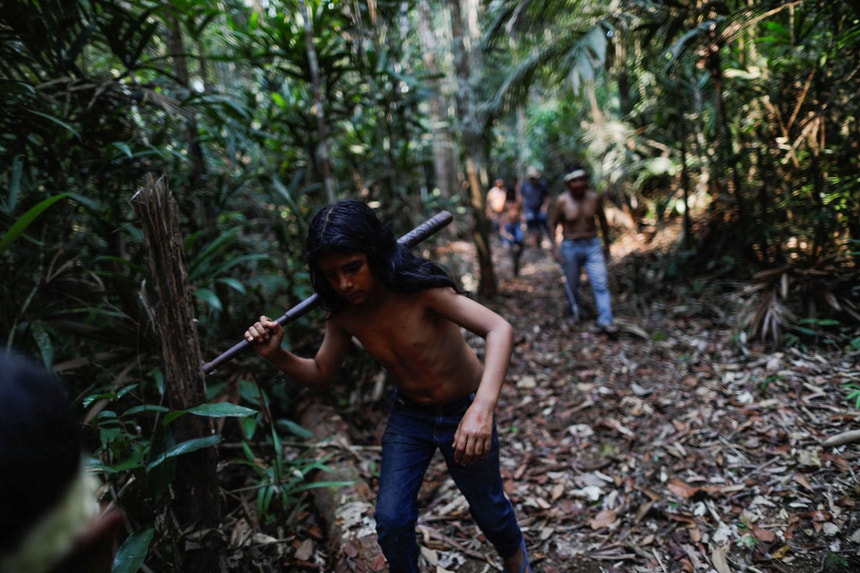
[352, 227]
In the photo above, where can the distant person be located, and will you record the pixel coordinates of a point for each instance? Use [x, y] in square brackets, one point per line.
[50, 521]
[534, 193]
[496, 203]
[406, 313]
[578, 210]
[511, 229]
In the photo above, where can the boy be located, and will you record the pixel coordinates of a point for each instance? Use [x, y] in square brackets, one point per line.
[511, 230]
[406, 313]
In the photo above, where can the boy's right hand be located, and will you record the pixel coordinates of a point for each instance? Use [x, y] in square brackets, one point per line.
[266, 336]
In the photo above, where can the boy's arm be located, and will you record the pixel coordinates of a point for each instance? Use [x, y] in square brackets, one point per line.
[554, 221]
[473, 438]
[503, 230]
[316, 373]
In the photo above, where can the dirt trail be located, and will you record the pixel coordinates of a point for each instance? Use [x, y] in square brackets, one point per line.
[664, 448]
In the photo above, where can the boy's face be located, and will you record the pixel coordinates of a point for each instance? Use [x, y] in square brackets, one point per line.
[350, 276]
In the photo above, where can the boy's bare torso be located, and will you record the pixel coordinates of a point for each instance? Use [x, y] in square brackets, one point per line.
[425, 353]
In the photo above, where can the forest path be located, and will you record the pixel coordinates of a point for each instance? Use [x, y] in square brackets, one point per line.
[664, 448]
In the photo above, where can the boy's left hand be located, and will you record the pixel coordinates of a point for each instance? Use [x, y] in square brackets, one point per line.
[474, 437]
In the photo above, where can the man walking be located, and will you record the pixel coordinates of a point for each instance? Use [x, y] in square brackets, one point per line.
[534, 193]
[578, 211]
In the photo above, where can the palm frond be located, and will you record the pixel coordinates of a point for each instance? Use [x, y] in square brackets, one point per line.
[530, 18]
[574, 56]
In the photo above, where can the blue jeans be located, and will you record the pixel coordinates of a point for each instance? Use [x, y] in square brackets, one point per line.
[411, 438]
[537, 222]
[515, 235]
[588, 253]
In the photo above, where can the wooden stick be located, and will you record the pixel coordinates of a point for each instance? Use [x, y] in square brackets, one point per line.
[416, 235]
[840, 439]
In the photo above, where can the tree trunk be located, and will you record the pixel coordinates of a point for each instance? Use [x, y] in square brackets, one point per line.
[444, 150]
[725, 145]
[180, 70]
[472, 125]
[625, 105]
[195, 507]
[685, 173]
[319, 110]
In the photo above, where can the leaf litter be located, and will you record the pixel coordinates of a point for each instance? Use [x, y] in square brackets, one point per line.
[666, 448]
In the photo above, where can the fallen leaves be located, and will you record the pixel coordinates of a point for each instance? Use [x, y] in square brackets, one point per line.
[665, 451]
[603, 520]
[680, 444]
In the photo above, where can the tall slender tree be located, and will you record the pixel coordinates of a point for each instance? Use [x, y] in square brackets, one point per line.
[444, 147]
[473, 126]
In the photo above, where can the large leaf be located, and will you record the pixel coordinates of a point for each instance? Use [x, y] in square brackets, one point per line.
[133, 551]
[222, 410]
[26, 219]
[184, 448]
[218, 410]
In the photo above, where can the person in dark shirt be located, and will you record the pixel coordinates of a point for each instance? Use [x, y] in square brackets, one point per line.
[534, 193]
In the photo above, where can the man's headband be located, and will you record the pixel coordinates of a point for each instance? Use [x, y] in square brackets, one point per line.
[575, 174]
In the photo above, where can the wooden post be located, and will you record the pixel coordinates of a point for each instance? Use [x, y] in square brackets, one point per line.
[195, 506]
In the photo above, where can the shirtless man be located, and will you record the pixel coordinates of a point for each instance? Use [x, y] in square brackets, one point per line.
[405, 312]
[578, 211]
[496, 198]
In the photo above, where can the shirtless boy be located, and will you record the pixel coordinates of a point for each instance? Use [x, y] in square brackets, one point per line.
[511, 230]
[405, 312]
[578, 211]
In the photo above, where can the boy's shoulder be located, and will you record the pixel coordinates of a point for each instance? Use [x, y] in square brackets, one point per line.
[399, 308]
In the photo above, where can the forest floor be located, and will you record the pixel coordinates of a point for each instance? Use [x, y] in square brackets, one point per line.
[666, 448]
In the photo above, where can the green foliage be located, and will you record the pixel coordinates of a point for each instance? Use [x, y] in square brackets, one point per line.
[135, 448]
[24, 221]
[833, 561]
[755, 104]
[853, 396]
[279, 480]
[132, 552]
[273, 483]
[123, 446]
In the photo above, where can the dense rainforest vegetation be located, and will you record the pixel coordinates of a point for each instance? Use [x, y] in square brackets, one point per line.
[738, 118]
